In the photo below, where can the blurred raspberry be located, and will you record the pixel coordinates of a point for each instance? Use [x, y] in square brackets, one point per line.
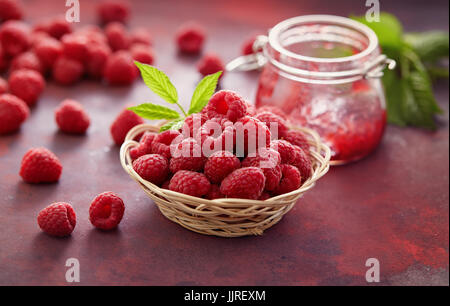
[190, 38]
[58, 26]
[273, 109]
[303, 163]
[286, 150]
[297, 138]
[48, 50]
[13, 112]
[40, 165]
[140, 35]
[117, 36]
[210, 63]
[275, 123]
[106, 211]
[113, 10]
[264, 196]
[11, 9]
[27, 85]
[120, 69]
[190, 183]
[3, 60]
[57, 219]
[124, 122]
[247, 45]
[214, 193]
[145, 145]
[251, 135]
[161, 143]
[27, 60]
[71, 117]
[67, 71]
[215, 136]
[220, 164]
[14, 37]
[251, 109]
[186, 155]
[290, 181]
[152, 167]
[3, 86]
[143, 54]
[98, 55]
[75, 46]
[244, 183]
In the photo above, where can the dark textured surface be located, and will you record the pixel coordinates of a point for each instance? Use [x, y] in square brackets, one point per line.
[392, 206]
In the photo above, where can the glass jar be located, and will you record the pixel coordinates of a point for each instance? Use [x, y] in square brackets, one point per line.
[324, 72]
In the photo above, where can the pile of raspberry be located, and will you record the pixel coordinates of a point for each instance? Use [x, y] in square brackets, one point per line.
[228, 150]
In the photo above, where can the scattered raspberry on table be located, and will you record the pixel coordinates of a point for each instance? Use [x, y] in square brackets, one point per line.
[106, 211]
[71, 117]
[57, 219]
[40, 165]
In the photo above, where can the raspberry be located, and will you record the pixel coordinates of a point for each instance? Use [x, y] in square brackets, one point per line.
[109, 11]
[220, 164]
[268, 161]
[10, 9]
[106, 211]
[209, 64]
[3, 60]
[124, 122]
[57, 27]
[190, 38]
[220, 102]
[3, 86]
[40, 165]
[161, 143]
[75, 46]
[286, 150]
[190, 183]
[71, 117]
[165, 185]
[27, 85]
[273, 109]
[186, 155]
[117, 36]
[152, 167]
[14, 37]
[264, 196]
[192, 124]
[247, 46]
[48, 50]
[251, 135]
[57, 219]
[141, 36]
[13, 112]
[120, 69]
[145, 145]
[303, 163]
[98, 55]
[276, 124]
[244, 183]
[143, 54]
[93, 34]
[290, 181]
[214, 193]
[27, 60]
[251, 110]
[67, 71]
[297, 138]
[215, 136]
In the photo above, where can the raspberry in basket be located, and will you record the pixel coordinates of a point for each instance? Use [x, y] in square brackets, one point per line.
[40, 165]
[290, 181]
[13, 112]
[244, 183]
[277, 125]
[214, 193]
[190, 38]
[219, 106]
[286, 150]
[220, 164]
[124, 122]
[152, 167]
[251, 135]
[117, 35]
[48, 50]
[106, 211]
[27, 60]
[268, 160]
[191, 183]
[3, 86]
[186, 155]
[161, 143]
[14, 37]
[215, 136]
[273, 109]
[67, 71]
[120, 69]
[113, 10]
[145, 145]
[210, 63]
[27, 85]
[10, 9]
[71, 117]
[297, 138]
[303, 163]
[57, 219]
[193, 123]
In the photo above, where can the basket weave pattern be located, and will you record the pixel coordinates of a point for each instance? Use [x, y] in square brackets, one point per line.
[225, 217]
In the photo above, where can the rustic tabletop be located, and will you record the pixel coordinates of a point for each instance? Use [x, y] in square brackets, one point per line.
[392, 206]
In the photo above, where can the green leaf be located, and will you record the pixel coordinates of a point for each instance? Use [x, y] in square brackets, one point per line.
[173, 125]
[203, 92]
[154, 112]
[394, 98]
[429, 46]
[158, 82]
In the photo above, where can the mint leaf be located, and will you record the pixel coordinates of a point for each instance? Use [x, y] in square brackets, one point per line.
[429, 46]
[154, 112]
[203, 92]
[158, 82]
[173, 125]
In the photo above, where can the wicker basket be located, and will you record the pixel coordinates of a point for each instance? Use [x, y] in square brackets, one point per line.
[225, 217]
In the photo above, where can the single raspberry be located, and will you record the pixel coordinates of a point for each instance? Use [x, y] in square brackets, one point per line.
[58, 27]
[93, 34]
[143, 54]
[244, 183]
[152, 167]
[186, 155]
[161, 143]
[11, 9]
[40, 165]
[220, 102]
[120, 69]
[145, 145]
[27, 85]
[286, 150]
[13, 112]
[264, 196]
[57, 219]
[124, 122]
[190, 38]
[3, 86]
[216, 136]
[273, 109]
[191, 183]
[303, 163]
[98, 55]
[39, 28]
[251, 135]
[214, 193]
[27, 60]
[192, 124]
[106, 211]
[247, 45]
[71, 117]
[290, 181]
[277, 125]
[4, 62]
[117, 35]
[113, 10]
[48, 50]
[67, 71]
[210, 63]
[14, 37]
[268, 161]
[140, 35]
[220, 164]
[75, 46]
[166, 184]
[297, 138]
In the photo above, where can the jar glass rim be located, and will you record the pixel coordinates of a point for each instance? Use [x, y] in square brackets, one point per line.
[275, 32]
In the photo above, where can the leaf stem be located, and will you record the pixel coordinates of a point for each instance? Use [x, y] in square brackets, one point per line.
[182, 109]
